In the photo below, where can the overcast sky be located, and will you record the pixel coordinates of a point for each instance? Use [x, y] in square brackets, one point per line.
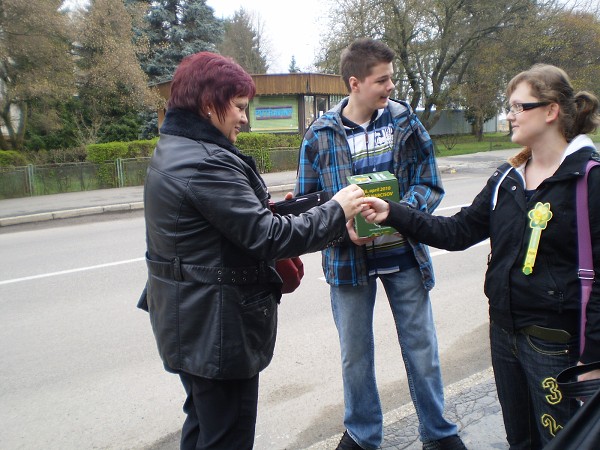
[292, 28]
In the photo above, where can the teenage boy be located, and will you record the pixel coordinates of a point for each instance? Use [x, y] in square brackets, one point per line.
[367, 132]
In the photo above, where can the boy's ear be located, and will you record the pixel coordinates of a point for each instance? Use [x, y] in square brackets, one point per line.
[353, 82]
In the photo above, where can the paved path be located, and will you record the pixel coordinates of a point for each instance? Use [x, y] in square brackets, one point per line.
[471, 403]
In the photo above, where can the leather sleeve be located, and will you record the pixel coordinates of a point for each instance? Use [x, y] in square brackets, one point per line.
[465, 228]
[223, 194]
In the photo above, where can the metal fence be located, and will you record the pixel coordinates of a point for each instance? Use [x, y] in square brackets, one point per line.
[30, 180]
[278, 160]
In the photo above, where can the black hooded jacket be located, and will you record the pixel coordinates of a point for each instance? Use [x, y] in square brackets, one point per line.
[550, 295]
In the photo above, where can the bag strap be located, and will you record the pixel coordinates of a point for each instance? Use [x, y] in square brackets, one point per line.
[570, 387]
[586, 267]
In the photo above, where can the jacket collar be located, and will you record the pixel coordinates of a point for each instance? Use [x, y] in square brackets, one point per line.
[333, 117]
[180, 122]
[581, 141]
[574, 160]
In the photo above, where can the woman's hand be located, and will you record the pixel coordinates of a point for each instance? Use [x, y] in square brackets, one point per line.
[591, 375]
[350, 199]
[375, 210]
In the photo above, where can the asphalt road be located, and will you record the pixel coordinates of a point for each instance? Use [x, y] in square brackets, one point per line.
[80, 367]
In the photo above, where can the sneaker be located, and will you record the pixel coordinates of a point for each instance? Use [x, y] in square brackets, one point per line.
[448, 443]
[347, 443]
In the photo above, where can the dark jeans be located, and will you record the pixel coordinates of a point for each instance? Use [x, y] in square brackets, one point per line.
[525, 370]
[221, 414]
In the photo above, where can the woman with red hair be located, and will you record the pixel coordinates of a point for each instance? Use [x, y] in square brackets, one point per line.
[212, 242]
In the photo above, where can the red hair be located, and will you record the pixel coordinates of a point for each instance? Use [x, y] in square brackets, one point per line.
[207, 81]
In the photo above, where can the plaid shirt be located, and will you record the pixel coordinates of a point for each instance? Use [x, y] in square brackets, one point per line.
[325, 162]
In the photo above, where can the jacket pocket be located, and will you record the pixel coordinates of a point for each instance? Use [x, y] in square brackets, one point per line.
[162, 302]
[248, 331]
[547, 289]
[259, 319]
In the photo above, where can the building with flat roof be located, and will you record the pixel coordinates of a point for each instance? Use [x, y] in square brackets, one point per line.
[284, 103]
[288, 103]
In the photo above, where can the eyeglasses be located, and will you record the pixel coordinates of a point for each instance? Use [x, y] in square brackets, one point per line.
[518, 108]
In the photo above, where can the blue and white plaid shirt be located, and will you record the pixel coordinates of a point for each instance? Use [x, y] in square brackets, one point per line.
[326, 162]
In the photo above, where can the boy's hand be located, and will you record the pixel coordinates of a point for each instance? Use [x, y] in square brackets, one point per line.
[354, 237]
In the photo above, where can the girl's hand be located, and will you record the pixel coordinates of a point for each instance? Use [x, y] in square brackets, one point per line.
[375, 210]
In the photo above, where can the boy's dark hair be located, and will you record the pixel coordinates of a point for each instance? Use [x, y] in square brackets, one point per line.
[358, 58]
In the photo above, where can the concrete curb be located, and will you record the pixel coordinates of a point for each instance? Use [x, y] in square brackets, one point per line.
[92, 210]
[69, 213]
[282, 188]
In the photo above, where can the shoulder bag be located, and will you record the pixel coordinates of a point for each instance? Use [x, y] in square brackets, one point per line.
[582, 432]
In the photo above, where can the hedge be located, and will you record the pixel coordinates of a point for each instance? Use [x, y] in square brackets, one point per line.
[12, 158]
[257, 141]
[99, 153]
[254, 144]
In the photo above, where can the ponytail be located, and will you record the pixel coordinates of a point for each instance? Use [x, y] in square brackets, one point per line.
[587, 117]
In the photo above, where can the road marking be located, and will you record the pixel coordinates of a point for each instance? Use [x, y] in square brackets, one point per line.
[129, 261]
[452, 207]
[66, 272]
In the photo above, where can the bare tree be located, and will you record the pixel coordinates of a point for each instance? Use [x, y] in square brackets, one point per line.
[435, 40]
[569, 39]
[109, 74]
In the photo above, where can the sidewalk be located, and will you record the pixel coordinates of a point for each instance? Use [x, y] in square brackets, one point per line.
[471, 403]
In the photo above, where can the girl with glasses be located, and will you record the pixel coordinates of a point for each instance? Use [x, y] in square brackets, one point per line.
[527, 209]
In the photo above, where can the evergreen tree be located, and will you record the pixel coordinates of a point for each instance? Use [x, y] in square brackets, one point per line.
[293, 68]
[245, 43]
[175, 29]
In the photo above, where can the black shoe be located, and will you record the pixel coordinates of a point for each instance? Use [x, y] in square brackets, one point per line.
[448, 443]
[347, 443]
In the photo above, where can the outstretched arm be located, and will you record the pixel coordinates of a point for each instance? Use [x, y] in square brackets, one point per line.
[458, 232]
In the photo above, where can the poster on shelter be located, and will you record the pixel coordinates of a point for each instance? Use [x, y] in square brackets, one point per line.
[273, 112]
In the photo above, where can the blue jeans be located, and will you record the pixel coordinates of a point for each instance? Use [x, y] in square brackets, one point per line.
[353, 315]
[525, 369]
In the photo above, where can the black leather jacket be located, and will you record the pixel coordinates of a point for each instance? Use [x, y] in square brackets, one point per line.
[550, 296]
[212, 289]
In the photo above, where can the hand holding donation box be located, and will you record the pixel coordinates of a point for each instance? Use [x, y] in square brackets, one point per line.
[377, 184]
